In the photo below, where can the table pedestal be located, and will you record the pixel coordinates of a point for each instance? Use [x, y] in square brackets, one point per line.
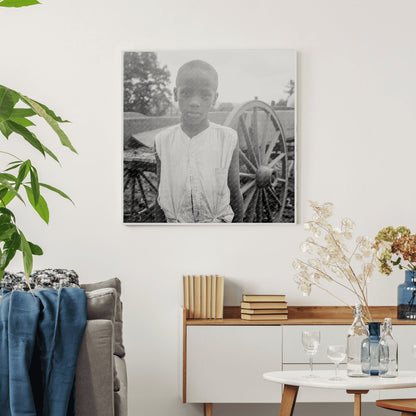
[357, 400]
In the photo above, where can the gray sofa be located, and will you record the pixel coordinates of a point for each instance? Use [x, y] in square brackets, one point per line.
[101, 378]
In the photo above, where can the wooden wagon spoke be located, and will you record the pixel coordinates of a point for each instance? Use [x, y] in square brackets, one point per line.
[259, 206]
[252, 207]
[274, 162]
[272, 144]
[147, 180]
[247, 186]
[127, 183]
[247, 175]
[248, 199]
[247, 162]
[266, 202]
[255, 134]
[142, 192]
[246, 134]
[264, 138]
[133, 190]
[273, 193]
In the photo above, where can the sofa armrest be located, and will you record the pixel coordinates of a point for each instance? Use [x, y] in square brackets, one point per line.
[94, 386]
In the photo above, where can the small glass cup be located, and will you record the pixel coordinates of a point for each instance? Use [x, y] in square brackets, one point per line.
[310, 342]
[337, 354]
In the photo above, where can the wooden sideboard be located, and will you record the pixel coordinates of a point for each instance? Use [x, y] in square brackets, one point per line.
[224, 359]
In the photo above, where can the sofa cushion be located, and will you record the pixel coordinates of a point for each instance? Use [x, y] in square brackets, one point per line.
[101, 304]
[118, 319]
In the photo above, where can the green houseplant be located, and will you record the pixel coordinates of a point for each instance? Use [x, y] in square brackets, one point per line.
[17, 113]
[20, 180]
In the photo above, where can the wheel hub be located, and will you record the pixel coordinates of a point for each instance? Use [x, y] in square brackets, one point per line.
[265, 176]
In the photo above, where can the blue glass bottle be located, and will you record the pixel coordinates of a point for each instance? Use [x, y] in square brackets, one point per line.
[406, 302]
[370, 354]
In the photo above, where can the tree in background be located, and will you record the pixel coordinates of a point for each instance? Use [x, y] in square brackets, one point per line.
[146, 84]
[290, 88]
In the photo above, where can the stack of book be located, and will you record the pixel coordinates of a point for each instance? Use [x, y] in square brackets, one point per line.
[203, 297]
[264, 307]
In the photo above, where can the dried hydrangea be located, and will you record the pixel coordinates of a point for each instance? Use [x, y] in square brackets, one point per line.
[334, 257]
[394, 245]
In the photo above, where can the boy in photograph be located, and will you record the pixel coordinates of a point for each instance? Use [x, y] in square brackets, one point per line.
[198, 161]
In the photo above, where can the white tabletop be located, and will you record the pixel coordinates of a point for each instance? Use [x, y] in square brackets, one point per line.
[405, 379]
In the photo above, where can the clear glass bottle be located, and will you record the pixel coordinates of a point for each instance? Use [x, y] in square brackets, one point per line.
[388, 351]
[357, 333]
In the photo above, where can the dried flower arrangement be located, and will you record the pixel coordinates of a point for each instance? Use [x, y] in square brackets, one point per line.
[335, 258]
[394, 245]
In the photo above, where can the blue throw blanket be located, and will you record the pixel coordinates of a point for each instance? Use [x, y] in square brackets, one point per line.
[40, 338]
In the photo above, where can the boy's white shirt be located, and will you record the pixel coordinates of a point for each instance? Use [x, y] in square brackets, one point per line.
[194, 174]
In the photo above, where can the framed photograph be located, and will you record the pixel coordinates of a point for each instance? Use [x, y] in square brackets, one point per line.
[209, 137]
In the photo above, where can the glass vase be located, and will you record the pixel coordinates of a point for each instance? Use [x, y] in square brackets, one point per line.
[370, 353]
[406, 292]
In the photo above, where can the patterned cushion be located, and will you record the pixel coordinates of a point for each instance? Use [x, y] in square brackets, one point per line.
[46, 278]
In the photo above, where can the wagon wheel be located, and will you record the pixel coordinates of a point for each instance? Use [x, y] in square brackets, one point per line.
[263, 161]
[140, 188]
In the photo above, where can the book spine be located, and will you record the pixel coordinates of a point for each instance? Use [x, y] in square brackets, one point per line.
[186, 294]
[214, 297]
[197, 297]
[220, 297]
[191, 296]
[209, 301]
[203, 297]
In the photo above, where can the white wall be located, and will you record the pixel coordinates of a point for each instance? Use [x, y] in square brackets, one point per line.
[357, 145]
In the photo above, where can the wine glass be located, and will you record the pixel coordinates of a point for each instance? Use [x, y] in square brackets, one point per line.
[310, 342]
[337, 354]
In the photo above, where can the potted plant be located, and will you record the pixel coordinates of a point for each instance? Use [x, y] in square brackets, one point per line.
[19, 180]
[396, 247]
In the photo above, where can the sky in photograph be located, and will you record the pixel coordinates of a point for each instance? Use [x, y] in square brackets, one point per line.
[243, 74]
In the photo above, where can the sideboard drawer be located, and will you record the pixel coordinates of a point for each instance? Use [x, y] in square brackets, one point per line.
[293, 352]
[225, 364]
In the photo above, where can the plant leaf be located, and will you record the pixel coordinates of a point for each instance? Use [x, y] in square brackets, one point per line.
[41, 207]
[3, 192]
[18, 3]
[22, 112]
[23, 171]
[27, 255]
[6, 131]
[51, 118]
[36, 250]
[27, 135]
[7, 212]
[34, 183]
[6, 231]
[8, 177]
[58, 191]
[51, 154]
[5, 219]
[22, 121]
[7, 102]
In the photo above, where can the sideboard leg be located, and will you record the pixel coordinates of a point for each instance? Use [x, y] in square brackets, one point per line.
[208, 409]
[288, 400]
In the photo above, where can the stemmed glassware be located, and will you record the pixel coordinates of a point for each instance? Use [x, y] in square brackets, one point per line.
[310, 342]
[337, 354]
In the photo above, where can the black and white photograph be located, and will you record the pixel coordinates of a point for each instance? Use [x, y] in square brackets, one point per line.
[209, 136]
